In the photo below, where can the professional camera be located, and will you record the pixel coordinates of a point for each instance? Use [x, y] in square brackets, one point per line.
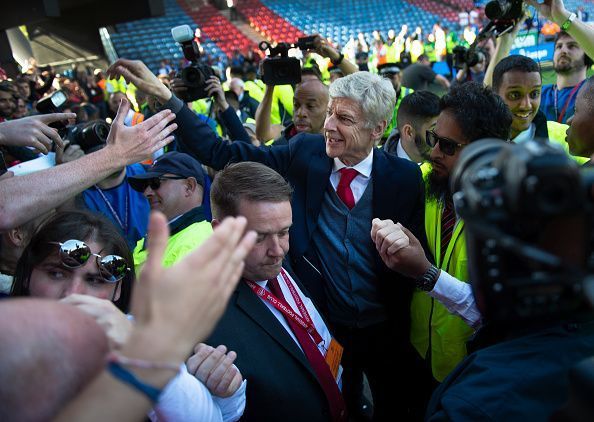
[195, 75]
[279, 68]
[469, 56]
[505, 10]
[90, 136]
[528, 211]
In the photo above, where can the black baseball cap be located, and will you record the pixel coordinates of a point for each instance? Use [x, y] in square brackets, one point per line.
[176, 163]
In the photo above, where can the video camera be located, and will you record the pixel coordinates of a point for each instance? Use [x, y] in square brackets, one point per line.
[528, 211]
[90, 136]
[279, 68]
[195, 75]
[469, 56]
[504, 10]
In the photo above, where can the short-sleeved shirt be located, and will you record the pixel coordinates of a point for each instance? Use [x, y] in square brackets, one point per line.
[417, 76]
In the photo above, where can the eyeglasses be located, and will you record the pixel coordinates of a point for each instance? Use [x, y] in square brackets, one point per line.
[75, 253]
[155, 182]
[447, 146]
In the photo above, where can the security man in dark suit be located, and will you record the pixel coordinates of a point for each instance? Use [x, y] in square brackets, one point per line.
[284, 349]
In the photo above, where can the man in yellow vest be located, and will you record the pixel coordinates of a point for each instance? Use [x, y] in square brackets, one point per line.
[440, 329]
[174, 185]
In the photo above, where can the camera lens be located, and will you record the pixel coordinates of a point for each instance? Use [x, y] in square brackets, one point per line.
[192, 77]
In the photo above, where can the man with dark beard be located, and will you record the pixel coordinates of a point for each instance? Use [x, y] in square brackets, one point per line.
[469, 112]
[570, 63]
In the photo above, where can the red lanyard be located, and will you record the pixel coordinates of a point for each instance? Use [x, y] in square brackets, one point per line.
[304, 321]
[567, 101]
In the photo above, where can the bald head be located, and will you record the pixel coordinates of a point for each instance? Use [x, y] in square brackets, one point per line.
[309, 106]
[237, 86]
[50, 351]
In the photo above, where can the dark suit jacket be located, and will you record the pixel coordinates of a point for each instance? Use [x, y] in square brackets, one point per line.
[281, 385]
[398, 194]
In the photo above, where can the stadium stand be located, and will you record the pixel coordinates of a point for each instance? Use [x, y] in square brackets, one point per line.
[343, 20]
[268, 23]
[150, 39]
[218, 28]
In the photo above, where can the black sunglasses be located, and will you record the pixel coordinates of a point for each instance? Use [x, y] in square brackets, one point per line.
[447, 146]
[75, 253]
[155, 182]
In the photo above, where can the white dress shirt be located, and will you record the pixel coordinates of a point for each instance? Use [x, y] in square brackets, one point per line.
[360, 182]
[185, 398]
[313, 313]
[457, 297]
[400, 152]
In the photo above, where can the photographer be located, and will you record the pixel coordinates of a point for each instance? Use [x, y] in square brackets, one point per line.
[310, 104]
[528, 271]
[474, 73]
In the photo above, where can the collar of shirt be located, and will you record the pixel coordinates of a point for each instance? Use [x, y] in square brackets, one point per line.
[526, 135]
[400, 152]
[359, 183]
[363, 167]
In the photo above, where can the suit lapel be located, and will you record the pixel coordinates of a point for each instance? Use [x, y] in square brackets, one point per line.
[249, 303]
[318, 177]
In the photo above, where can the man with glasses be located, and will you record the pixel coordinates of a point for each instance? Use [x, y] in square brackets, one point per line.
[469, 112]
[174, 185]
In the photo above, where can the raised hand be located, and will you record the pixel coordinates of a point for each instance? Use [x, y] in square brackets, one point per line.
[137, 143]
[136, 72]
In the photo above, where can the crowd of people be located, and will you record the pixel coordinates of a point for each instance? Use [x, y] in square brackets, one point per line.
[277, 252]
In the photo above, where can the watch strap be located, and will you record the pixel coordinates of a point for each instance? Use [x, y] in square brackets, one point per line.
[427, 281]
[568, 22]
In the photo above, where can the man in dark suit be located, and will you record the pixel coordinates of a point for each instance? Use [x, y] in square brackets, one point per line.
[341, 182]
[288, 376]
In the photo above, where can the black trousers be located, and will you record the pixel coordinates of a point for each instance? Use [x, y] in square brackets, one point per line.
[399, 379]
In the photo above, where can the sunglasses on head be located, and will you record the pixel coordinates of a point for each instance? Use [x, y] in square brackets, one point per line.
[75, 253]
[155, 182]
[447, 146]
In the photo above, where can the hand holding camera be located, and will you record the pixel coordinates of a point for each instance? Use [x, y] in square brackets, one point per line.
[34, 131]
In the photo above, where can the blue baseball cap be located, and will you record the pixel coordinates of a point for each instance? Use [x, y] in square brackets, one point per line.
[176, 163]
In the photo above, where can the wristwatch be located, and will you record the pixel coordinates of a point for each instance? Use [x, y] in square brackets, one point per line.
[568, 22]
[427, 281]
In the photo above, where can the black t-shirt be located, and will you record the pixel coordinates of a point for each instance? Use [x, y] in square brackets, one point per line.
[417, 76]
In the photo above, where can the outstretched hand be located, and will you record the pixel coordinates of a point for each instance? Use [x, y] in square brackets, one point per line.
[551, 9]
[136, 72]
[137, 143]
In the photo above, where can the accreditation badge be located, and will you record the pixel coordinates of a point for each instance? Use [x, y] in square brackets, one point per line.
[333, 357]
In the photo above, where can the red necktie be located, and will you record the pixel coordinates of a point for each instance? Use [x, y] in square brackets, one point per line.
[343, 190]
[316, 360]
[448, 221]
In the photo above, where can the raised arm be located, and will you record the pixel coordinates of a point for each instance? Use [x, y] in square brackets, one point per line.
[263, 122]
[25, 197]
[196, 136]
[580, 31]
